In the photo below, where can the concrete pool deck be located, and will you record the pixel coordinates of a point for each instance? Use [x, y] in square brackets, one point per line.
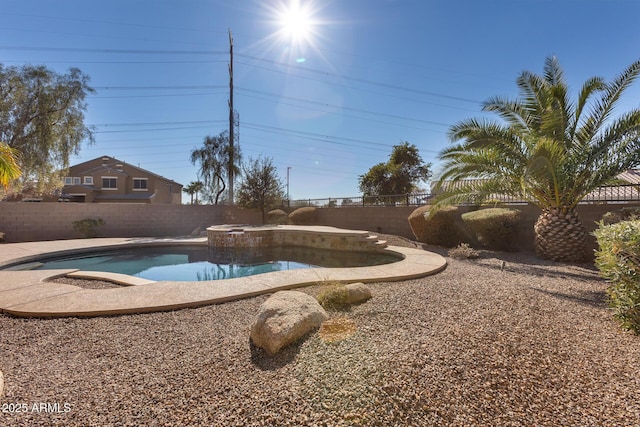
[30, 294]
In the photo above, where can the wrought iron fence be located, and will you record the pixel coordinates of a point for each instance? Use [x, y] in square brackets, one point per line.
[611, 193]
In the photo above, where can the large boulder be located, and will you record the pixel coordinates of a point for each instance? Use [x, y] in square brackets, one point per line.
[284, 318]
[357, 293]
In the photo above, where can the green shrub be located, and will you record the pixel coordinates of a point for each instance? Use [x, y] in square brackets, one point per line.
[278, 217]
[442, 227]
[304, 216]
[463, 251]
[333, 296]
[618, 259]
[494, 228]
[88, 226]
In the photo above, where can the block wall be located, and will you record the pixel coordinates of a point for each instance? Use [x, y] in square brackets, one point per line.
[21, 221]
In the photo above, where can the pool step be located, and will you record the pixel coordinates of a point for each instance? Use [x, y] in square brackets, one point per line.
[381, 244]
[373, 241]
[120, 279]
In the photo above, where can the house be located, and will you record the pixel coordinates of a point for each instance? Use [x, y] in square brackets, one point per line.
[632, 176]
[109, 180]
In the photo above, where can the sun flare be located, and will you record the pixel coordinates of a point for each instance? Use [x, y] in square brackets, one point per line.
[296, 21]
[298, 30]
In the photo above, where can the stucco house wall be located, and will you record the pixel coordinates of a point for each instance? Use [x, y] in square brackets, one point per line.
[109, 180]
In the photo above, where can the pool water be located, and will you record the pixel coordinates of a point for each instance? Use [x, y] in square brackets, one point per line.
[197, 263]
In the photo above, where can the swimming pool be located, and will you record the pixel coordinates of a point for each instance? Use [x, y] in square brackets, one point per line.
[200, 263]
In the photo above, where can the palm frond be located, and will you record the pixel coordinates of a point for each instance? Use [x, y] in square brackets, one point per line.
[9, 164]
[510, 110]
[586, 125]
[553, 73]
[476, 191]
[603, 108]
[551, 150]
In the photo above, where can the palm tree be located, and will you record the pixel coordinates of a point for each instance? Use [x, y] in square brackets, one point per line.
[548, 150]
[198, 186]
[9, 164]
[194, 188]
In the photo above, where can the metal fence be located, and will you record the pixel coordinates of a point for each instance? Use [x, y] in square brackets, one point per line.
[611, 194]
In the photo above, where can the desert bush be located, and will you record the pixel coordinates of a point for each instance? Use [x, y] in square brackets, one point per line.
[441, 226]
[88, 226]
[277, 217]
[624, 214]
[618, 259]
[333, 296]
[494, 228]
[304, 216]
[463, 251]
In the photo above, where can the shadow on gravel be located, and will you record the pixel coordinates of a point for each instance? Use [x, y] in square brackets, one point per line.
[531, 270]
[265, 362]
[435, 249]
[595, 299]
[513, 263]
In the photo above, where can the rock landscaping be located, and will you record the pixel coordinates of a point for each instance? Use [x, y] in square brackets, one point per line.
[284, 318]
[533, 344]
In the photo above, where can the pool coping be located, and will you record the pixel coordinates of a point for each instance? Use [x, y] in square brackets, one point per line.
[29, 294]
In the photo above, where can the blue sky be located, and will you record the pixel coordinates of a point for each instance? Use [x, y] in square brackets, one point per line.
[367, 75]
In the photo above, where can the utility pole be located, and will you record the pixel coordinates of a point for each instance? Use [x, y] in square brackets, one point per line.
[231, 120]
[288, 199]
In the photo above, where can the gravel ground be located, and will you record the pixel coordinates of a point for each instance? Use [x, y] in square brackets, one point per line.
[482, 343]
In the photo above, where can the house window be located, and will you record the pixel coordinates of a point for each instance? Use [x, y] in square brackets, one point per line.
[109, 183]
[140, 184]
[76, 180]
[88, 180]
[68, 180]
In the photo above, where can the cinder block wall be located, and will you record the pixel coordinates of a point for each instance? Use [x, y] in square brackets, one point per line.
[23, 222]
[394, 220]
[379, 219]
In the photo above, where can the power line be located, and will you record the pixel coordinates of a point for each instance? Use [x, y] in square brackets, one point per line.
[150, 130]
[120, 51]
[358, 110]
[157, 96]
[66, 18]
[350, 142]
[332, 139]
[190, 87]
[369, 82]
[158, 123]
[123, 62]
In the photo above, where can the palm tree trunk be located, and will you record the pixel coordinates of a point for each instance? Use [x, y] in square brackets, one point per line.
[560, 235]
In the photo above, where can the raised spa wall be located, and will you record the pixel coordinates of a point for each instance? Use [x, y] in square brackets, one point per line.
[228, 236]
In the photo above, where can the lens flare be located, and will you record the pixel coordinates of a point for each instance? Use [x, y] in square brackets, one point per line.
[299, 30]
[296, 21]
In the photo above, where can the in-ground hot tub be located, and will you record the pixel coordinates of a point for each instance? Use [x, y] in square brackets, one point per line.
[290, 235]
